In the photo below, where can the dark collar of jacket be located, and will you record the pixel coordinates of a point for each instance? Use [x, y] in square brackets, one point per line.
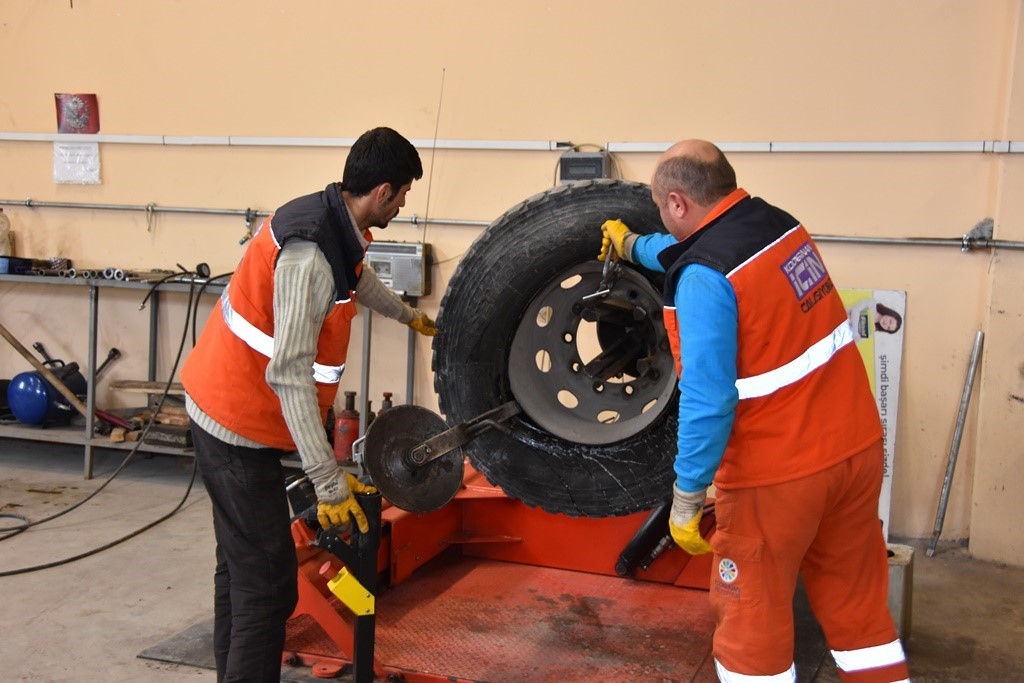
[322, 217]
[671, 254]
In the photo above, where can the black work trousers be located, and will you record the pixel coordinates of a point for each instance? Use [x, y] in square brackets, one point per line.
[255, 587]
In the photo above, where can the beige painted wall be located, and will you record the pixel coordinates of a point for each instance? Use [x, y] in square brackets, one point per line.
[588, 72]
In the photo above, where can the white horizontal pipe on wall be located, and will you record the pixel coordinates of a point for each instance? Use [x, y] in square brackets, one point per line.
[894, 147]
[842, 147]
[249, 141]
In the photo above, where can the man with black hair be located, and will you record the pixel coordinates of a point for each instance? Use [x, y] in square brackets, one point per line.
[262, 377]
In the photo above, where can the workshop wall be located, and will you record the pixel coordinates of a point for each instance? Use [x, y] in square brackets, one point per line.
[590, 73]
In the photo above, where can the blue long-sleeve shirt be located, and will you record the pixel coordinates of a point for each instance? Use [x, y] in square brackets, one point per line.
[708, 322]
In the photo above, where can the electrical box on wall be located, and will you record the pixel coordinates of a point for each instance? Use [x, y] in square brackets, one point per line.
[576, 166]
[403, 266]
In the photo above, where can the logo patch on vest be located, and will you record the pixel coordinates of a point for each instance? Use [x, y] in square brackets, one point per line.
[804, 270]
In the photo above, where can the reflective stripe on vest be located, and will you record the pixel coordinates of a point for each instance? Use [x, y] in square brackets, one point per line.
[869, 657]
[762, 250]
[263, 343]
[807, 362]
[726, 676]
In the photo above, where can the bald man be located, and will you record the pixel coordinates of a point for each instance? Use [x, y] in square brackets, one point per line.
[775, 409]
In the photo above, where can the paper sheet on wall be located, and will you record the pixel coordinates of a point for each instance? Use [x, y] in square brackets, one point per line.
[876, 316]
[76, 163]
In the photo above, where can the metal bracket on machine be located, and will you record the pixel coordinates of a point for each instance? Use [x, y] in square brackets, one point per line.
[355, 584]
[415, 460]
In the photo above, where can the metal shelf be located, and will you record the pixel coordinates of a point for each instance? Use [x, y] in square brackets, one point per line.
[113, 284]
[84, 435]
[76, 435]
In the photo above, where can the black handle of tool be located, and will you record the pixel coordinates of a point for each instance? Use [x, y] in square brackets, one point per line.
[645, 538]
[112, 355]
[47, 358]
[38, 346]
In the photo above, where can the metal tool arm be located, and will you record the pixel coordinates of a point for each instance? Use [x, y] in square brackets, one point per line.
[447, 441]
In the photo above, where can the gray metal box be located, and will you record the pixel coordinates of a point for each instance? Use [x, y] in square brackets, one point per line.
[576, 166]
[403, 266]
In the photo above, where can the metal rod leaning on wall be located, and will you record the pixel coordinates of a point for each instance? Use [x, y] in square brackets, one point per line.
[954, 449]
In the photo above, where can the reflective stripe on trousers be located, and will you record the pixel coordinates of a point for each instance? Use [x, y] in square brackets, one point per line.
[819, 353]
[848, 661]
[263, 343]
[851, 661]
[726, 676]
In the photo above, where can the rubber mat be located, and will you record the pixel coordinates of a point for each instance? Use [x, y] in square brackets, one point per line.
[194, 647]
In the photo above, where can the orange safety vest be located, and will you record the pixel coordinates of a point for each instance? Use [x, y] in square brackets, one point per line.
[804, 398]
[225, 372]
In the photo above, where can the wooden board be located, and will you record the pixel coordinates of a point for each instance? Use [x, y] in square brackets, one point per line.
[144, 387]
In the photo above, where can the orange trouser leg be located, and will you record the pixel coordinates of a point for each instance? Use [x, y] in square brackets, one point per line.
[846, 575]
[759, 543]
[763, 535]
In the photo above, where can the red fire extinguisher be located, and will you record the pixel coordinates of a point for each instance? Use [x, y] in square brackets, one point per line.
[346, 429]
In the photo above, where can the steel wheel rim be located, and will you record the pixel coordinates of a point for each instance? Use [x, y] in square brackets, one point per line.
[554, 343]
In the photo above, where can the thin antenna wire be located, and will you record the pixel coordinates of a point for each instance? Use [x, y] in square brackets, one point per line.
[433, 150]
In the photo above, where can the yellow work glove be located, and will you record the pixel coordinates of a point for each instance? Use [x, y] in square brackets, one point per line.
[338, 514]
[684, 520]
[423, 324]
[616, 233]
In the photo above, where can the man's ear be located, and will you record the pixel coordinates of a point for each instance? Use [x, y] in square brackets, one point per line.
[382, 193]
[678, 205]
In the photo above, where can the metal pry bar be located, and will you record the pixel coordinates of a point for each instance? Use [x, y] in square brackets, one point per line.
[609, 274]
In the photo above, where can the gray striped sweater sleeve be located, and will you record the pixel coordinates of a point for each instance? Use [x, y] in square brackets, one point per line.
[376, 296]
[303, 295]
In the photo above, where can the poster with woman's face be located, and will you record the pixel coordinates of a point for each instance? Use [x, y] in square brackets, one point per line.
[876, 317]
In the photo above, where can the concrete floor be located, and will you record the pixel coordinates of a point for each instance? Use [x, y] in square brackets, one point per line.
[88, 620]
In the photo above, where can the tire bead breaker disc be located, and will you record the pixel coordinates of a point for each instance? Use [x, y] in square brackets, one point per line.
[413, 458]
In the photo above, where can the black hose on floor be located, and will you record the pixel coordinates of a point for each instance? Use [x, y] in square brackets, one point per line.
[191, 307]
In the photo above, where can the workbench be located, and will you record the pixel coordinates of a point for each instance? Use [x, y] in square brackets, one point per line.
[76, 434]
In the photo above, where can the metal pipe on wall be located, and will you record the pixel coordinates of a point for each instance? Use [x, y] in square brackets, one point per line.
[969, 242]
[149, 208]
[965, 243]
[250, 215]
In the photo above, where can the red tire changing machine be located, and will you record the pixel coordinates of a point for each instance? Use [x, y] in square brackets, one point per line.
[486, 588]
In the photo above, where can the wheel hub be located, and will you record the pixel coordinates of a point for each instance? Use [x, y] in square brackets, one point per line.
[593, 370]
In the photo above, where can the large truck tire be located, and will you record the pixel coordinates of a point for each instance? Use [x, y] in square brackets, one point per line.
[509, 327]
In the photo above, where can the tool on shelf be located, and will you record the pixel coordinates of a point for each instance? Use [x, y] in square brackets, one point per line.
[112, 355]
[59, 385]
